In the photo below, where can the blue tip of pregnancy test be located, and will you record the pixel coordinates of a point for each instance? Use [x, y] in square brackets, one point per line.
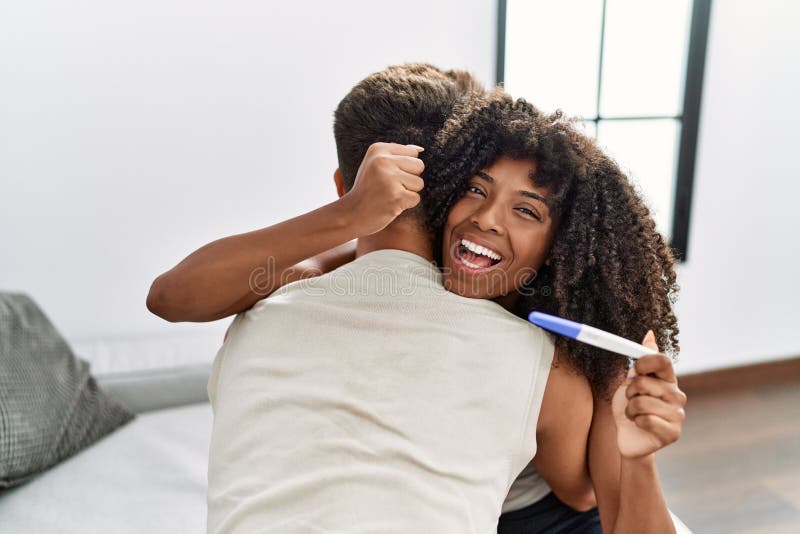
[555, 324]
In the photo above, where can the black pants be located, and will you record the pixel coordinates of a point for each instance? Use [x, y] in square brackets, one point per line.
[549, 515]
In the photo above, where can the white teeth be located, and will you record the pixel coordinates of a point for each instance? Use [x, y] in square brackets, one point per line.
[470, 264]
[477, 249]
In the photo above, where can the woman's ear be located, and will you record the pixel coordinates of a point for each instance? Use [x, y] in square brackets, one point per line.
[337, 178]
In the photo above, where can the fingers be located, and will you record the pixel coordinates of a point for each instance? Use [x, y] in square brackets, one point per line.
[409, 164]
[396, 149]
[645, 405]
[656, 364]
[410, 200]
[407, 167]
[655, 387]
[655, 403]
[649, 340]
[412, 182]
[666, 432]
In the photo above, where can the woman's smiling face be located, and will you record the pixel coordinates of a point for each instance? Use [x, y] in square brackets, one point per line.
[498, 234]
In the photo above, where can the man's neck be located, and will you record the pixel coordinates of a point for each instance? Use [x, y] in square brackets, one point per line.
[405, 233]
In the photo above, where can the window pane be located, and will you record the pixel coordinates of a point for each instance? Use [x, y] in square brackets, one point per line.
[553, 53]
[644, 57]
[646, 150]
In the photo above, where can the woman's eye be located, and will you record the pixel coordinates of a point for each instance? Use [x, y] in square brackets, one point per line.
[532, 213]
[475, 189]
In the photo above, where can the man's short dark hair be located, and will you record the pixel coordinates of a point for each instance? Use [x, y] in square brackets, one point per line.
[406, 104]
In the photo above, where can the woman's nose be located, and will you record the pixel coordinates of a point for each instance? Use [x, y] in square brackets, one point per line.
[487, 220]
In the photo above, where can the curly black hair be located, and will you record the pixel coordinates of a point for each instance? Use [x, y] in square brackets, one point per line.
[609, 267]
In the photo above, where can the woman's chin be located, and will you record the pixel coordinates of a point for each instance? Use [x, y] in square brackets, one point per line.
[474, 283]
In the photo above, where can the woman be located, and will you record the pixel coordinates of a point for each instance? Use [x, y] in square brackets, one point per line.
[606, 265]
[578, 243]
[549, 223]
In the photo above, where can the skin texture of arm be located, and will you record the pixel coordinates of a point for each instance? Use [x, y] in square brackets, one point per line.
[628, 491]
[315, 266]
[644, 415]
[319, 264]
[562, 434]
[231, 274]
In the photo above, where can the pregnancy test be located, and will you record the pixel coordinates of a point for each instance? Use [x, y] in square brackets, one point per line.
[591, 335]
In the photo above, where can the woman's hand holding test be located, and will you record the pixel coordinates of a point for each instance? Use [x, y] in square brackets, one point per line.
[649, 406]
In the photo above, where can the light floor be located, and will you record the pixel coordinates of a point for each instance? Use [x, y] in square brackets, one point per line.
[736, 468]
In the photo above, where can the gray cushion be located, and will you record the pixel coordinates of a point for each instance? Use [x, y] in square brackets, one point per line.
[50, 406]
[157, 389]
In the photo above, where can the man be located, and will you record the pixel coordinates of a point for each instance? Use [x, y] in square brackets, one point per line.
[374, 404]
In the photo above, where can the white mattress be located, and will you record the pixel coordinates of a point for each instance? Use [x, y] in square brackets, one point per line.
[148, 476]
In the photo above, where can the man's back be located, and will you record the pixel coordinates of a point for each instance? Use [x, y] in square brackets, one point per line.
[372, 400]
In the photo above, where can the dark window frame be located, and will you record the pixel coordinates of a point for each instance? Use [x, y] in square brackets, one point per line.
[689, 119]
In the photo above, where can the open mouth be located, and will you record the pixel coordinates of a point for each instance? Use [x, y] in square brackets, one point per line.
[475, 256]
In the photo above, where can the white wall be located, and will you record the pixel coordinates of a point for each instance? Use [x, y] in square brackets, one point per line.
[131, 133]
[740, 303]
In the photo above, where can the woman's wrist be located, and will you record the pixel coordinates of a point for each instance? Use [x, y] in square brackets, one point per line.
[648, 461]
[343, 218]
[639, 473]
[642, 503]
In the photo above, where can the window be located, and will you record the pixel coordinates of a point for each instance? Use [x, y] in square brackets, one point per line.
[632, 70]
